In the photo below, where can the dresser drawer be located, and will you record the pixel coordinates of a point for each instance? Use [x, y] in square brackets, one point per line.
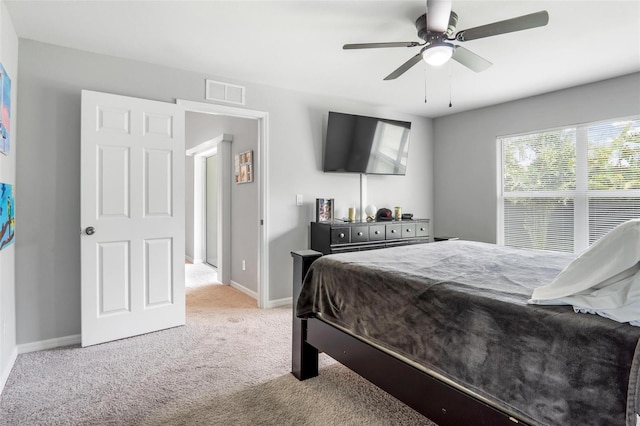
[360, 234]
[340, 235]
[393, 232]
[408, 230]
[422, 229]
[376, 233]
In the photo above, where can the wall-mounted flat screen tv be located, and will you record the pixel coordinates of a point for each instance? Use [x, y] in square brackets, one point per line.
[369, 145]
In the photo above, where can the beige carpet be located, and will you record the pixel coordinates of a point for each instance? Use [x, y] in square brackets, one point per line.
[229, 365]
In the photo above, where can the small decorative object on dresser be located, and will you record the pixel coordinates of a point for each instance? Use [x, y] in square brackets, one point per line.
[324, 209]
[370, 211]
[352, 214]
[384, 214]
[397, 213]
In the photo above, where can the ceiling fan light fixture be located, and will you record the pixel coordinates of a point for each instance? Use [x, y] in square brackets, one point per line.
[438, 54]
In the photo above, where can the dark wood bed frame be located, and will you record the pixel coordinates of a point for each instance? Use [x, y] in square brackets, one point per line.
[433, 398]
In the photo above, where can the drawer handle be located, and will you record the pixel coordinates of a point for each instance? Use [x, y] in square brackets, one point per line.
[377, 232]
[359, 234]
[341, 235]
[393, 231]
[422, 229]
[408, 230]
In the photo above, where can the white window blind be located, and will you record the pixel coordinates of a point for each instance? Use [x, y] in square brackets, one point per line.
[563, 189]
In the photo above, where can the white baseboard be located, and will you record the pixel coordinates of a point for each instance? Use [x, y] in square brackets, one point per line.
[279, 302]
[49, 344]
[245, 290]
[192, 260]
[270, 304]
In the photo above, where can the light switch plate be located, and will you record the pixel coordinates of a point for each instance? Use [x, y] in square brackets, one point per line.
[299, 200]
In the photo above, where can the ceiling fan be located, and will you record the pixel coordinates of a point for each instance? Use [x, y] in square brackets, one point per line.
[436, 29]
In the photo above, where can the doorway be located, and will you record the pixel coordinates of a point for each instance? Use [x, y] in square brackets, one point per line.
[220, 147]
[202, 267]
[260, 162]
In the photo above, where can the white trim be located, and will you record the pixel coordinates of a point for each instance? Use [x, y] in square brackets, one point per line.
[7, 369]
[209, 147]
[287, 301]
[262, 157]
[245, 290]
[193, 260]
[499, 195]
[224, 171]
[49, 344]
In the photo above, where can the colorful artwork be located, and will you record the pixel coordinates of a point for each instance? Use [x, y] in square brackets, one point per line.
[7, 215]
[5, 110]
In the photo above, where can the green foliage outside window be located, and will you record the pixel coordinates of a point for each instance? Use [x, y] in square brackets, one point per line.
[616, 165]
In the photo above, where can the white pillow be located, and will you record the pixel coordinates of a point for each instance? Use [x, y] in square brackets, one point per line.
[616, 253]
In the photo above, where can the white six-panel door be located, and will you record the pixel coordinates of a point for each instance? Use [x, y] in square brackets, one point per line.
[132, 217]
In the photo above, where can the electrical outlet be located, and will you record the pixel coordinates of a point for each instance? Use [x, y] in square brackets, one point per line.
[244, 265]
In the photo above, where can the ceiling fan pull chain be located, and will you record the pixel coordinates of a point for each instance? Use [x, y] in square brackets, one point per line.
[450, 105]
[425, 84]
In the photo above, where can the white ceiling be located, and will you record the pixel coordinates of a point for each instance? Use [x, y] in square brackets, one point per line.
[298, 45]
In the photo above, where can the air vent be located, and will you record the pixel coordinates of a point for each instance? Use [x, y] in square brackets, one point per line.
[224, 92]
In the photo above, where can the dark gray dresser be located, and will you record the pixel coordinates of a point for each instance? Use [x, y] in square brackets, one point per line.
[340, 237]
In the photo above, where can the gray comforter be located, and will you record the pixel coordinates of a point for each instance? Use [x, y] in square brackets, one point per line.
[460, 309]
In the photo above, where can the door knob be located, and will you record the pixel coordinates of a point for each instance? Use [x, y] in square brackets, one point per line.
[90, 230]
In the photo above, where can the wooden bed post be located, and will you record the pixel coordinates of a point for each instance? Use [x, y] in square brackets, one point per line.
[304, 357]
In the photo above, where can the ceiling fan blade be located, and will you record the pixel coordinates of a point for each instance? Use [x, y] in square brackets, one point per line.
[379, 45]
[470, 60]
[438, 12]
[404, 67]
[533, 20]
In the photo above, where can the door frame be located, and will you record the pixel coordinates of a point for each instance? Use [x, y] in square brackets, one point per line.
[261, 159]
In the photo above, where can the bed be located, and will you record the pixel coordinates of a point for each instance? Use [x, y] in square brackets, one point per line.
[446, 328]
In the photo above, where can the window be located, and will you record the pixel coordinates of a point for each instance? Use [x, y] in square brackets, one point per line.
[563, 189]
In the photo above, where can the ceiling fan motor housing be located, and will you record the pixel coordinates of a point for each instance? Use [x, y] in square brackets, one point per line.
[421, 26]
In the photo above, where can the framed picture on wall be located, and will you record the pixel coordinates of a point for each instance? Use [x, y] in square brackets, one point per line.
[324, 209]
[5, 111]
[7, 215]
[244, 167]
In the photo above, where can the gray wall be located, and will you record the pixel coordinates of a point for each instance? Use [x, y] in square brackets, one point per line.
[465, 191]
[9, 59]
[48, 171]
[245, 201]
